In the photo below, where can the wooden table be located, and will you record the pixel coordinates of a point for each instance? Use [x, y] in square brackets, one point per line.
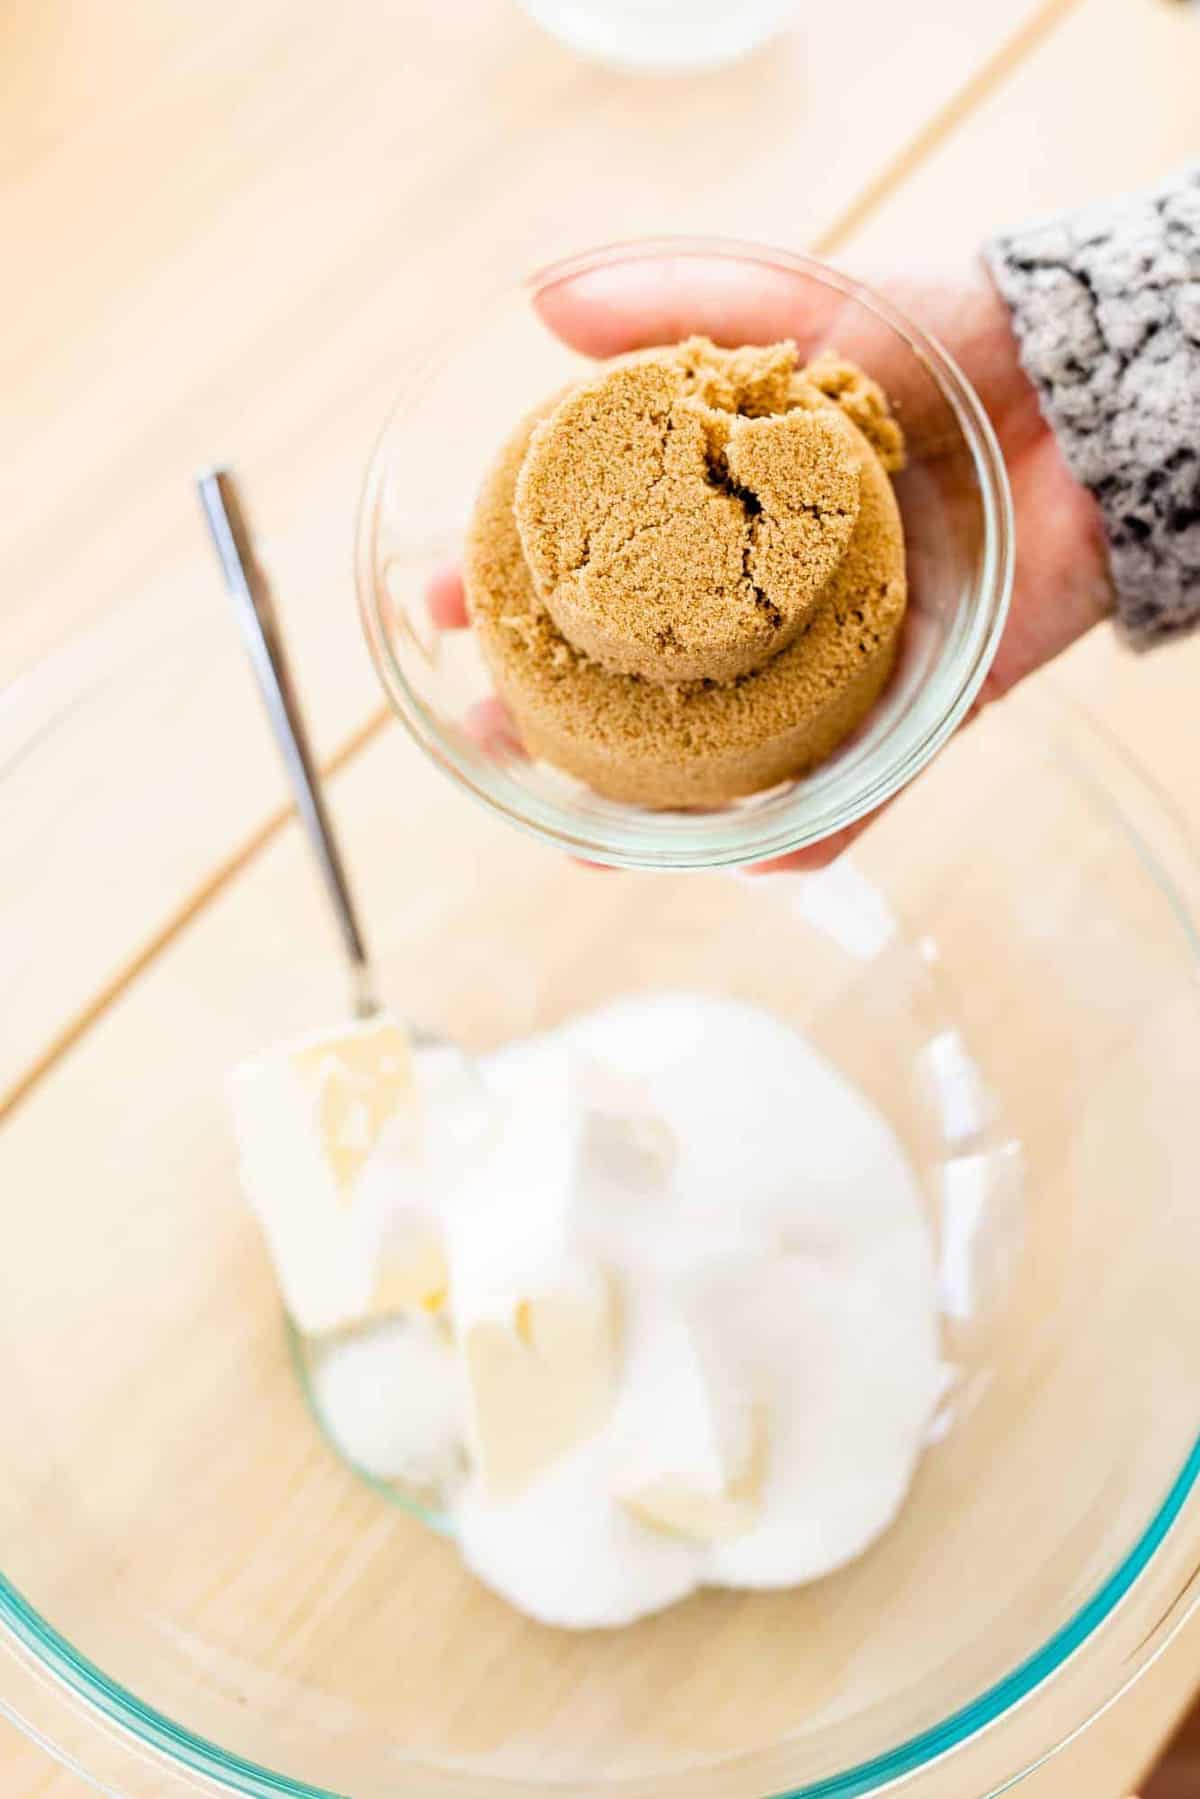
[219, 225]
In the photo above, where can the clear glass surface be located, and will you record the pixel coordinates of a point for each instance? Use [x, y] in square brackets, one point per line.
[482, 371]
[662, 37]
[198, 1597]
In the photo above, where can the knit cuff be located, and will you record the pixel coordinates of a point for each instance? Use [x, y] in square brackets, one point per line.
[1106, 305]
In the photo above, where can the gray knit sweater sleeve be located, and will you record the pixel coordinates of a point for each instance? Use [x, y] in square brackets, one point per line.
[1106, 305]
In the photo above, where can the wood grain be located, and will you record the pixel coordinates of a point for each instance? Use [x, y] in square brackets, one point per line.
[233, 236]
[236, 232]
[159, 1389]
[162, 1410]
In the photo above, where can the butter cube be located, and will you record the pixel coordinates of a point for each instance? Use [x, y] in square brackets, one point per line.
[538, 1382]
[535, 1308]
[696, 1446]
[329, 1135]
[358, 1081]
[412, 1274]
[676, 1504]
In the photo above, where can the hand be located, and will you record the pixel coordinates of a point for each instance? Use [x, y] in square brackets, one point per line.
[1062, 584]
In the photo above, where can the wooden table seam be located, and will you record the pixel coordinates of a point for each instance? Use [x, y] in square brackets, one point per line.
[980, 86]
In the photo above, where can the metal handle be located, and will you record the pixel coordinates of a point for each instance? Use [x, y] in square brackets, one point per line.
[256, 617]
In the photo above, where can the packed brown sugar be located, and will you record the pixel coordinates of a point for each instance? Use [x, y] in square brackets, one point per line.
[687, 572]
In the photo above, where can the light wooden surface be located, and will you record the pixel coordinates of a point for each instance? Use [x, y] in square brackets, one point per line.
[293, 206]
[225, 222]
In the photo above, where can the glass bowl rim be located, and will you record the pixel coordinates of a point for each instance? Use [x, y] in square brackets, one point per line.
[727, 839]
[182, 1748]
[23, 1629]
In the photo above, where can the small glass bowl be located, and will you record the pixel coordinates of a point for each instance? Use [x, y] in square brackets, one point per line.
[486, 370]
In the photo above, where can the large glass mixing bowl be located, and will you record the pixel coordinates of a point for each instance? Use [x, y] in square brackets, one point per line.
[199, 1597]
[464, 390]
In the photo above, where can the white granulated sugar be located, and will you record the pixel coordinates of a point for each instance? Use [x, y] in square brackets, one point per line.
[688, 1269]
[391, 1401]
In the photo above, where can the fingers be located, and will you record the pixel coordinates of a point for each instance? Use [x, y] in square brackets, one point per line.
[1063, 580]
[490, 724]
[446, 600]
[816, 856]
[733, 299]
[631, 304]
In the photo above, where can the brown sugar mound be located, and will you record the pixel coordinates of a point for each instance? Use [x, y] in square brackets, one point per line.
[651, 739]
[862, 400]
[671, 536]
